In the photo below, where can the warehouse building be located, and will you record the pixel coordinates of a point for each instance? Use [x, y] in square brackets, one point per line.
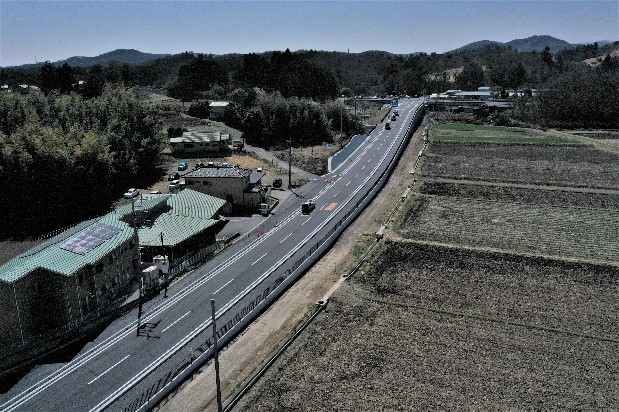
[240, 188]
[199, 142]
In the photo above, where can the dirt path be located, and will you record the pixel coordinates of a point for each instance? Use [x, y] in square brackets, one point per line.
[245, 354]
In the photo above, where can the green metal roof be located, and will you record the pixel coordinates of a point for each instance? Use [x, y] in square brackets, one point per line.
[144, 202]
[191, 213]
[175, 229]
[196, 204]
[64, 262]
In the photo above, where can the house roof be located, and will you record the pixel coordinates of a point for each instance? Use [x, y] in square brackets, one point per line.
[200, 137]
[195, 204]
[219, 104]
[191, 212]
[143, 203]
[175, 229]
[56, 255]
[226, 172]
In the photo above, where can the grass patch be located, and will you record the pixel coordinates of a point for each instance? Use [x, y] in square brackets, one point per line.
[472, 127]
[552, 141]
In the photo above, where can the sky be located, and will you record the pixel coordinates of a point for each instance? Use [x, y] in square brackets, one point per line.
[36, 31]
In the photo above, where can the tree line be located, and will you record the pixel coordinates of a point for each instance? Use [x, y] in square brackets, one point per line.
[64, 158]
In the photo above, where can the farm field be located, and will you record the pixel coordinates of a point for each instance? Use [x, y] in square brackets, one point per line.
[494, 288]
[439, 328]
[579, 233]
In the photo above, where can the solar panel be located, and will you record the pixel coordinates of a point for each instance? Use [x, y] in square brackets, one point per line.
[90, 238]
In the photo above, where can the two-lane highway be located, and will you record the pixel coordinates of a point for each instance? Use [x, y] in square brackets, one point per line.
[123, 368]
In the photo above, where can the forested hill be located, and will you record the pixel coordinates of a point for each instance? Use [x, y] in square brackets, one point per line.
[122, 56]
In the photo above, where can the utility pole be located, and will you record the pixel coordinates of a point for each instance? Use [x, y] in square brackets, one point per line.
[216, 354]
[290, 163]
[137, 263]
[165, 277]
[341, 114]
[140, 305]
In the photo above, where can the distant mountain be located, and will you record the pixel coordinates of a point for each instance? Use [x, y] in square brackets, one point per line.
[478, 45]
[538, 43]
[128, 56]
[533, 43]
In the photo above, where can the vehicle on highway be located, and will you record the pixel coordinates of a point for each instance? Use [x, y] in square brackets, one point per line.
[397, 113]
[387, 126]
[307, 207]
[183, 166]
[393, 118]
[131, 193]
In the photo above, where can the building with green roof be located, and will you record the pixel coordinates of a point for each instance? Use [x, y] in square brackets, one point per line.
[86, 271]
[189, 223]
[67, 280]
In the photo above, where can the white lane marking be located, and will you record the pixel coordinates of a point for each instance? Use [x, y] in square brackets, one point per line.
[363, 167]
[348, 183]
[356, 175]
[218, 290]
[109, 369]
[282, 241]
[369, 160]
[257, 260]
[174, 323]
[307, 220]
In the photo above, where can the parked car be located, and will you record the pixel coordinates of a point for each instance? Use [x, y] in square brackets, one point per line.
[155, 192]
[277, 183]
[131, 193]
[183, 166]
[174, 184]
[174, 176]
[387, 126]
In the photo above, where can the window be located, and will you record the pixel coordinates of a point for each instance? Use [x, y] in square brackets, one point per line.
[99, 268]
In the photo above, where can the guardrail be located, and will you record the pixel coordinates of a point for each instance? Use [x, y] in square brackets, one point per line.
[181, 370]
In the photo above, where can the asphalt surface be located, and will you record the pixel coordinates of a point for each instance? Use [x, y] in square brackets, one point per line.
[123, 367]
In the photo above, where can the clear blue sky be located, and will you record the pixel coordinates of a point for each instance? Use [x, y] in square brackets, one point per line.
[56, 30]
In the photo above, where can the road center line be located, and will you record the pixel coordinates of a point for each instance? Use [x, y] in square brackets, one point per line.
[306, 220]
[282, 241]
[229, 282]
[348, 183]
[258, 259]
[109, 369]
[174, 323]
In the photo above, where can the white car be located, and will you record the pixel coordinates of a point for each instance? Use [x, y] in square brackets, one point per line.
[131, 193]
[174, 184]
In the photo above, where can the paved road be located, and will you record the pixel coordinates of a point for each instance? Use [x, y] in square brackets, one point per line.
[123, 368]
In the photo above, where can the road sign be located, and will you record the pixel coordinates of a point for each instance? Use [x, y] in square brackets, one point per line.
[395, 103]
